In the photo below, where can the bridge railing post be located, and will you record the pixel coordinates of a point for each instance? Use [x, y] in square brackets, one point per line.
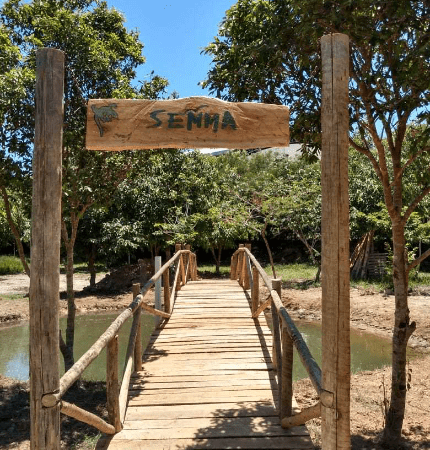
[239, 272]
[138, 345]
[233, 266]
[188, 262]
[255, 290]
[246, 269]
[166, 291]
[157, 303]
[276, 345]
[112, 384]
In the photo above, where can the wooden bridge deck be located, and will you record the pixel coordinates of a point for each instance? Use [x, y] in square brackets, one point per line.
[207, 380]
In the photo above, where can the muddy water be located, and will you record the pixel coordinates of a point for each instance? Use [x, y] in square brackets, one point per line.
[14, 354]
[367, 350]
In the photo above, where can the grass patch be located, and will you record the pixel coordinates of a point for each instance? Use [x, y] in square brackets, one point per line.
[11, 296]
[10, 265]
[210, 270]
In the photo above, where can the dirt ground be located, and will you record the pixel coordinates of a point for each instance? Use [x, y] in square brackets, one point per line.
[370, 311]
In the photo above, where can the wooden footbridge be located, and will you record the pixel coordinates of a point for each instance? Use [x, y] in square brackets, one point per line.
[214, 375]
[207, 379]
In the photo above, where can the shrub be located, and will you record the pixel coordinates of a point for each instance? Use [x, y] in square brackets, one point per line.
[10, 265]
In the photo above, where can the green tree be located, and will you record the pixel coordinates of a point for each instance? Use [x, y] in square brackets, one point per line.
[268, 51]
[101, 57]
[15, 82]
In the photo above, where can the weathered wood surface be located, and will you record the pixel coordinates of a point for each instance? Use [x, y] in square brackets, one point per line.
[45, 248]
[196, 122]
[335, 431]
[210, 384]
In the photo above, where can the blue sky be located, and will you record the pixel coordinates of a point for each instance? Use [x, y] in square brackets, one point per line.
[174, 33]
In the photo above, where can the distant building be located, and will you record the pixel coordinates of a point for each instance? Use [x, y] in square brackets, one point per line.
[292, 151]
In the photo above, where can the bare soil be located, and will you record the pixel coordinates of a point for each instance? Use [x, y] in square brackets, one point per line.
[370, 311]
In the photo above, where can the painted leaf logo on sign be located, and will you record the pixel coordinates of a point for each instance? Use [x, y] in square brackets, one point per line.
[104, 114]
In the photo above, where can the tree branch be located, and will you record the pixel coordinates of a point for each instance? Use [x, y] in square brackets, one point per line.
[414, 204]
[418, 260]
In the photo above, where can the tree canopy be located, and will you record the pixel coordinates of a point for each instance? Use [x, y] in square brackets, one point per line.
[268, 51]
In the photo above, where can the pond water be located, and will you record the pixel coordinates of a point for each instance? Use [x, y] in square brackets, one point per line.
[14, 351]
[368, 351]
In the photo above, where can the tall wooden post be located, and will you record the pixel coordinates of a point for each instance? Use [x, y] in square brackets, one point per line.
[45, 248]
[335, 431]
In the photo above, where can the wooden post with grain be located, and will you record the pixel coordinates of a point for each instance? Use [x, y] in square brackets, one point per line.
[255, 292]
[239, 268]
[246, 277]
[138, 345]
[335, 431]
[166, 291]
[45, 248]
[112, 384]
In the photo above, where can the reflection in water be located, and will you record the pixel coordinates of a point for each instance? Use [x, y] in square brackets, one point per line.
[367, 350]
[14, 350]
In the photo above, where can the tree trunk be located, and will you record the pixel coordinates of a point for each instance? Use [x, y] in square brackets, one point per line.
[91, 264]
[216, 259]
[14, 230]
[69, 359]
[403, 330]
[263, 235]
[69, 243]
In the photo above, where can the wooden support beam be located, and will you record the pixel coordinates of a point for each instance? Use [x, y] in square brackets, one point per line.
[85, 416]
[335, 432]
[302, 417]
[112, 384]
[45, 248]
[262, 307]
[155, 312]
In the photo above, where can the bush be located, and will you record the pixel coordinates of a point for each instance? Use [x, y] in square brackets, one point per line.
[10, 265]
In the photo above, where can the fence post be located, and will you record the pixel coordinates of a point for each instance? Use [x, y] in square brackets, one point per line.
[241, 255]
[286, 375]
[233, 266]
[112, 384]
[166, 290]
[194, 256]
[188, 258]
[157, 303]
[255, 292]
[246, 280]
[138, 345]
[45, 248]
[276, 345]
[335, 426]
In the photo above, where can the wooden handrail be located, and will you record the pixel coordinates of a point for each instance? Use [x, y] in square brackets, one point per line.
[306, 357]
[117, 402]
[75, 372]
[285, 335]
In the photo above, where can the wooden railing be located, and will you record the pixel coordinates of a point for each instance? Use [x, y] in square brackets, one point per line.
[186, 269]
[247, 270]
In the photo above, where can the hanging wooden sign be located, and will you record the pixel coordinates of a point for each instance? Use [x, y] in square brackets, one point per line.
[195, 122]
